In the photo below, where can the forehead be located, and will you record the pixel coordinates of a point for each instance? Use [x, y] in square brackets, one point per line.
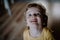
[32, 10]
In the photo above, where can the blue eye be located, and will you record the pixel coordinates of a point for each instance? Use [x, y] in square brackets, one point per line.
[30, 15]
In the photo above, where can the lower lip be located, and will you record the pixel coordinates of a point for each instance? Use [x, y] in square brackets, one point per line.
[33, 21]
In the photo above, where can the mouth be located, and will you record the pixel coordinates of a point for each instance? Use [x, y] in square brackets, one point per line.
[34, 20]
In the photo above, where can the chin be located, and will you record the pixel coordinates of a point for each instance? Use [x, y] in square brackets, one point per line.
[34, 23]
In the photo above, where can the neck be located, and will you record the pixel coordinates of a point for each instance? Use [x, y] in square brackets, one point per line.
[35, 31]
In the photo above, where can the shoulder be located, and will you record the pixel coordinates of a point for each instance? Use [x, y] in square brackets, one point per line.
[47, 30]
[48, 33]
[25, 32]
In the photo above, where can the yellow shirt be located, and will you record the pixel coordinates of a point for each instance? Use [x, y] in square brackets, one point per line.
[45, 35]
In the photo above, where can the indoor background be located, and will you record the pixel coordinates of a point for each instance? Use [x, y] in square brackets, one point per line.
[12, 19]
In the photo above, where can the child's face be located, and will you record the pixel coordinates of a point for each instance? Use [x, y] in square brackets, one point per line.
[33, 16]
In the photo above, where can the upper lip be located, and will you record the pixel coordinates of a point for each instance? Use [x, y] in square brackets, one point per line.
[34, 21]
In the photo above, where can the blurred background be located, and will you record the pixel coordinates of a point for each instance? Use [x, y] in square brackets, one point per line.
[12, 20]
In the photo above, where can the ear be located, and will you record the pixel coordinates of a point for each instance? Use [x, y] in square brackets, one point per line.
[26, 22]
[27, 25]
[45, 19]
[25, 19]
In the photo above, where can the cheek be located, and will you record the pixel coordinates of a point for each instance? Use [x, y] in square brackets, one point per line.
[39, 19]
[28, 20]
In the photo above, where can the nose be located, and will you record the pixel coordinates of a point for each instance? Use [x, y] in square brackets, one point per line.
[33, 17]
